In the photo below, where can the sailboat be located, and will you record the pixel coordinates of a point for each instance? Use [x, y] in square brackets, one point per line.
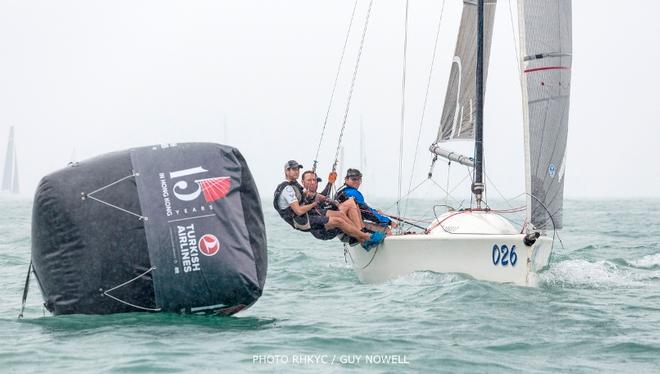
[10, 174]
[478, 241]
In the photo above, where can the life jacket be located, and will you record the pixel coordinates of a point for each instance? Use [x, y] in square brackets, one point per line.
[367, 212]
[340, 195]
[318, 210]
[288, 215]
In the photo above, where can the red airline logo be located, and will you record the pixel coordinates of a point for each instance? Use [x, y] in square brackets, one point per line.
[209, 245]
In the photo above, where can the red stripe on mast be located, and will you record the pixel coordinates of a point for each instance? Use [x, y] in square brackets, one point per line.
[546, 68]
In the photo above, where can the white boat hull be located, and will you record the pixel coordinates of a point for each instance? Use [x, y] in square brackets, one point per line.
[478, 244]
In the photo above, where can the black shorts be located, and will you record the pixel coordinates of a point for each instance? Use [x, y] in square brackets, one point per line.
[324, 234]
[318, 222]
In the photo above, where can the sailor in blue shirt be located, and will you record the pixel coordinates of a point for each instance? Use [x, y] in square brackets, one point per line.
[349, 190]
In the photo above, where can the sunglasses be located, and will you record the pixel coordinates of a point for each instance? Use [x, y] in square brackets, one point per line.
[356, 179]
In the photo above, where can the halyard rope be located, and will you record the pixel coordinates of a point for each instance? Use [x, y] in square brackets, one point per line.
[350, 93]
[334, 87]
[403, 110]
[426, 97]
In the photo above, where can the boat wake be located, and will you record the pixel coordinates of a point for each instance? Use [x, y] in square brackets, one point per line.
[428, 278]
[581, 273]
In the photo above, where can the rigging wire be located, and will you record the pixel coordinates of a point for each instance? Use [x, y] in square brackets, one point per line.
[468, 175]
[490, 183]
[334, 86]
[411, 191]
[403, 108]
[448, 176]
[515, 41]
[426, 97]
[350, 92]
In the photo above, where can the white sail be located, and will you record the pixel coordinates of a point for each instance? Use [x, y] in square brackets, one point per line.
[546, 48]
[458, 113]
[10, 174]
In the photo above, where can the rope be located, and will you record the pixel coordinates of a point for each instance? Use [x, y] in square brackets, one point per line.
[113, 183]
[410, 192]
[458, 185]
[353, 261]
[350, 93]
[26, 289]
[552, 220]
[85, 196]
[118, 208]
[106, 292]
[448, 176]
[334, 86]
[442, 188]
[403, 108]
[437, 184]
[490, 183]
[426, 97]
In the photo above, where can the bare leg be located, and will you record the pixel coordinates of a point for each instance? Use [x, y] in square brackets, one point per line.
[342, 222]
[352, 211]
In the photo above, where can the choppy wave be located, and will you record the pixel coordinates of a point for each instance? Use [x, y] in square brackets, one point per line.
[648, 262]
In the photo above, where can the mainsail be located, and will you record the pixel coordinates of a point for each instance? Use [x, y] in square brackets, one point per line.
[546, 47]
[458, 113]
[10, 174]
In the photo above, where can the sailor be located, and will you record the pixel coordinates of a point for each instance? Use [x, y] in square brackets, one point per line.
[288, 198]
[329, 218]
[349, 190]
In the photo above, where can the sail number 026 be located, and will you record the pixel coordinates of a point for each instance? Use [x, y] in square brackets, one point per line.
[504, 256]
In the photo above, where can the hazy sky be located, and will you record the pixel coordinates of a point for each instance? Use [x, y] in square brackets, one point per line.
[89, 77]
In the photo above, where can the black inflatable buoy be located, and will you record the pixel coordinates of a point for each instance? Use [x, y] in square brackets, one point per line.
[175, 228]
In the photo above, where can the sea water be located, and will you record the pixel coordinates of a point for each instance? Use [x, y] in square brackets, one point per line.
[596, 309]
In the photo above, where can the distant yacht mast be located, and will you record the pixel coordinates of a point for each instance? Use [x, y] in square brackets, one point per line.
[74, 156]
[10, 174]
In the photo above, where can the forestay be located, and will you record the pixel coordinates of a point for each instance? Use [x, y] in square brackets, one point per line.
[545, 38]
[458, 112]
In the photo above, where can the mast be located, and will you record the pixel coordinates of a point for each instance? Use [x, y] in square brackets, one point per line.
[477, 184]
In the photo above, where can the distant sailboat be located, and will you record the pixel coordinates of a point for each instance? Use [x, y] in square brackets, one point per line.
[74, 157]
[10, 175]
